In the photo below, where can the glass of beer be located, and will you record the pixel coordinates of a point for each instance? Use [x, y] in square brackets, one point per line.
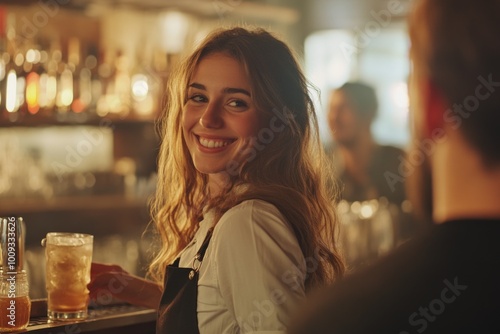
[15, 303]
[68, 259]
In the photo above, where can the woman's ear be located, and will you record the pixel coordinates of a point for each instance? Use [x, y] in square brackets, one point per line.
[434, 107]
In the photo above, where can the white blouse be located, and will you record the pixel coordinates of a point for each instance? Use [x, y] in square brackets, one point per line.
[252, 276]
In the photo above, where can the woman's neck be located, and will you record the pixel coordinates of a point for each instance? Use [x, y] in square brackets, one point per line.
[216, 183]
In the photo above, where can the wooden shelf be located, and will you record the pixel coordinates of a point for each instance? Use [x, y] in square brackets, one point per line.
[71, 119]
[21, 206]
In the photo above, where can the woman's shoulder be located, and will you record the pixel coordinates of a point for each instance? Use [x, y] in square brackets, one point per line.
[254, 210]
[255, 224]
[253, 216]
[255, 205]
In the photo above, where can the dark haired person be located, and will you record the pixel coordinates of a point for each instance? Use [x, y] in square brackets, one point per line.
[365, 169]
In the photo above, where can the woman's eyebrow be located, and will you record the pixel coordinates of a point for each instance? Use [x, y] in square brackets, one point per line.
[198, 86]
[225, 90]
[237, 90]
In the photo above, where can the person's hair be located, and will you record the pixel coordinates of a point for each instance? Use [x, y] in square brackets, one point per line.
[363, 97]
[455, 44]
[288, 171]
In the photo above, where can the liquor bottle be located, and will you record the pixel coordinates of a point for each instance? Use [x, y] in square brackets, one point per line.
[3, 81]
[82, 85]
[85, 85]
[106, 72]
[13, 81]
[96, 86]
[4, 58]
[122, 99]
[64, 97]
[33, 69]
[49, 79]
[144, 86]
[15, 101]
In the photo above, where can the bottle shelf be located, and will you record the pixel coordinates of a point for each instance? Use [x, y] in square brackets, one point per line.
[71, 119]
[22, 206]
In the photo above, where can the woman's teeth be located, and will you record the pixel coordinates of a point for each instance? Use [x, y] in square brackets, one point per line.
[210, 143]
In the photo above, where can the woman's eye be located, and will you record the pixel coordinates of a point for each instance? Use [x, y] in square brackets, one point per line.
[237, 104]
[197, 98]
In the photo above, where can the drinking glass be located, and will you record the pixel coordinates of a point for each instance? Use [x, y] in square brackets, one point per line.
[68, 258]
[15, 304]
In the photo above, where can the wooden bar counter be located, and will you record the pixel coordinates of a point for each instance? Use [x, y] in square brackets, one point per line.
[122, 319]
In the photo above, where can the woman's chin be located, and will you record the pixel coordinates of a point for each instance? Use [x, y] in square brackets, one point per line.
[209, 170]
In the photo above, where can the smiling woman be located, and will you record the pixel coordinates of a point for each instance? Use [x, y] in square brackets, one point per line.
[219, 116]
[242, 205]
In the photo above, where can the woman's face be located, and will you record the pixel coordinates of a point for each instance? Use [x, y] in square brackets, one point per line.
[219, 118]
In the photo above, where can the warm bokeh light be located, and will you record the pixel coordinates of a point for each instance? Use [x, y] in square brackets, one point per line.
[140, 87]
[65, 97]
[33, 92]
[10, 96]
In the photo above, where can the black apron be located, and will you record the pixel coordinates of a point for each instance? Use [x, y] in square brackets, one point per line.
[177, 312]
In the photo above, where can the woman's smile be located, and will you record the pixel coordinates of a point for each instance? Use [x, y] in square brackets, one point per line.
[213, 144]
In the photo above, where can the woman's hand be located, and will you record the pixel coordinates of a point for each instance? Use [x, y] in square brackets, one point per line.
[111, 282]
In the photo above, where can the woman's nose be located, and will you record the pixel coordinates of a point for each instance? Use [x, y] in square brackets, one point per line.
[211, 117]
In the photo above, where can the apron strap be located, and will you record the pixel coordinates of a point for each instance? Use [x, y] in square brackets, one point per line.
[198, 258]
[204, 245]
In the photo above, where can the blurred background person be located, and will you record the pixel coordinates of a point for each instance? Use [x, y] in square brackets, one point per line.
[361, 162]
[372, 209]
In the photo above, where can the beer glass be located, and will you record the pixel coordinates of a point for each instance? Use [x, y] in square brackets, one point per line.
[68, 259]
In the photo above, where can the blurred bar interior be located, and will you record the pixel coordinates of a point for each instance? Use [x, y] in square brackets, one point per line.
[81, 84]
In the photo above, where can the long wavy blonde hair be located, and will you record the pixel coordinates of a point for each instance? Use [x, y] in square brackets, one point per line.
[290, 170]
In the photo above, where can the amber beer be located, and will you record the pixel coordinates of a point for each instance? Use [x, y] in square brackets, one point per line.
[15, 304]
[68, 260]
[15, 313]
